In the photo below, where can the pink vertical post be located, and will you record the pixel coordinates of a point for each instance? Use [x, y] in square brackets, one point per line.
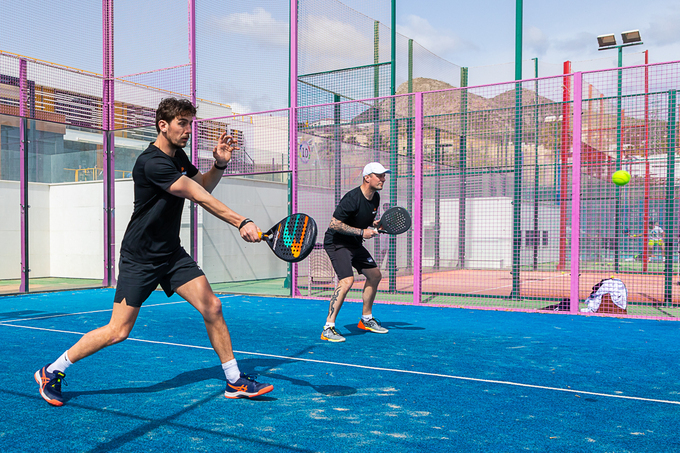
[645, 206]
[23, 174]
[108, 126]
[564, 164]
[576, 193]
[418, 199]
[292, 120]
[194, 125]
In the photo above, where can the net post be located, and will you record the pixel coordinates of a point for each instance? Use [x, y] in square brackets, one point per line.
[418, 199]
[576, 193]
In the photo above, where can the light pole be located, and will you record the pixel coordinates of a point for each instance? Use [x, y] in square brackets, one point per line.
[517, 196]
[606, 42]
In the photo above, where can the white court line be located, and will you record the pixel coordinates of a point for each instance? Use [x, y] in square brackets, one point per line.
[99, 311]
[392, 370]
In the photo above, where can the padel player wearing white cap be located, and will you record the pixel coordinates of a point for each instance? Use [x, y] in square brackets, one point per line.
[353, 222]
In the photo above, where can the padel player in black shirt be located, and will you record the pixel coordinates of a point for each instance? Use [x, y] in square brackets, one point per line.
[151, 253]
[353, 221]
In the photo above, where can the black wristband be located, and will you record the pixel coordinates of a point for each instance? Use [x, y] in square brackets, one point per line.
[361, 234]
[244, 223]
[221, 168]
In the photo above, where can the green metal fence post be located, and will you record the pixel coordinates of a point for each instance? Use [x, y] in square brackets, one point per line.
[409, 156]
[462, 197]
[536, 181]
[617, 218]
[337, 149]
[670, 198]
[517, 197]
[394, 177]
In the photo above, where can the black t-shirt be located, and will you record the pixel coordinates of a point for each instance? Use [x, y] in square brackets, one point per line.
[356, 211]
[153, 232]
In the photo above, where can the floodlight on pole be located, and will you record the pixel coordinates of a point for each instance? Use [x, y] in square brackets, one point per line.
[631, 36]
[606, 40]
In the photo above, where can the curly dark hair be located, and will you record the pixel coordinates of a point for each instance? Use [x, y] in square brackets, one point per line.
[171, 108]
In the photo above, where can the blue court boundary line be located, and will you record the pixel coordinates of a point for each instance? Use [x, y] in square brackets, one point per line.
[366, 367]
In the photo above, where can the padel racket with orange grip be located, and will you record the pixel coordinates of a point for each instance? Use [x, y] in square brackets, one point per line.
[395, 220]
[293, 238]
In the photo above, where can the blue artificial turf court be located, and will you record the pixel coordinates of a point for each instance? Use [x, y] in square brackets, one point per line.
[442, 380]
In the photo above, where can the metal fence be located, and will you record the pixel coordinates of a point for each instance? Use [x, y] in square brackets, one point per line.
[509, 184]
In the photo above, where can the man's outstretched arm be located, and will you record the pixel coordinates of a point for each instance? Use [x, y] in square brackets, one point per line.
[191, 190]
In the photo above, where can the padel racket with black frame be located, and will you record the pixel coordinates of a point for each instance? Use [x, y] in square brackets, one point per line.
[293, 238]
[395, 220]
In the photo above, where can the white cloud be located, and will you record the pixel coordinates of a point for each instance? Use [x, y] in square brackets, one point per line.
[663, 31]
[237, 107]
[326, 43]
[259, 25]
[440, 42]
[579, 44]
[535, 39]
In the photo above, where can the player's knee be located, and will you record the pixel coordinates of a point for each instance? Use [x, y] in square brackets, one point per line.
[212, 309]
[374, 276]
[118, 335]
[346, 282]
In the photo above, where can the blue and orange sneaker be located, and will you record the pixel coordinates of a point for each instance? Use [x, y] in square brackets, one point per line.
[246, 387]
[372, 325]
[50, 385]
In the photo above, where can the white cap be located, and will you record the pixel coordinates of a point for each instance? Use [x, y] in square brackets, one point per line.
[375, 167]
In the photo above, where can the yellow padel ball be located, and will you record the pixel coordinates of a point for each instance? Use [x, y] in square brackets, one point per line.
[621, 178]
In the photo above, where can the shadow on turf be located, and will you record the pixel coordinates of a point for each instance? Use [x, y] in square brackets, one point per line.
[328, 390]
[215, 372]
[27, 314]
[354, 330]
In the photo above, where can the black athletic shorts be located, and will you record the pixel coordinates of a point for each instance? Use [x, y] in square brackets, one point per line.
[344, 258]
[137, 280]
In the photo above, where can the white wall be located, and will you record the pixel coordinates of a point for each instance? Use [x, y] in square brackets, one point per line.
[76, 230]
[39, 230]
[227, 257]
[124, 199]
[66, 229]
[10, 230]
[488, 232]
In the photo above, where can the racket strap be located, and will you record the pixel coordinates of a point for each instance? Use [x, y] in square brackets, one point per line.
[244, 223]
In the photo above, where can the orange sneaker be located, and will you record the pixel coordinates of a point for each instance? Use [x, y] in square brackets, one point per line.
[372, 325]
[50, 385]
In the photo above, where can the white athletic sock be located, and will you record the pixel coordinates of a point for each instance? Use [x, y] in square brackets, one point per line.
[60, 364]
[231, 371]
[328, 324]
[366, 317]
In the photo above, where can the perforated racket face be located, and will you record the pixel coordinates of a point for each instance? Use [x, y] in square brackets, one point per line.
[395, 221]
[293, 238]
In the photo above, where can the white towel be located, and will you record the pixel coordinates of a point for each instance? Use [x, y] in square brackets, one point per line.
[612, 286]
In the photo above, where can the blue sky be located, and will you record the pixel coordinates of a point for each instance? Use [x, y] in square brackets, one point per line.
[475, 34]
[482, 32]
